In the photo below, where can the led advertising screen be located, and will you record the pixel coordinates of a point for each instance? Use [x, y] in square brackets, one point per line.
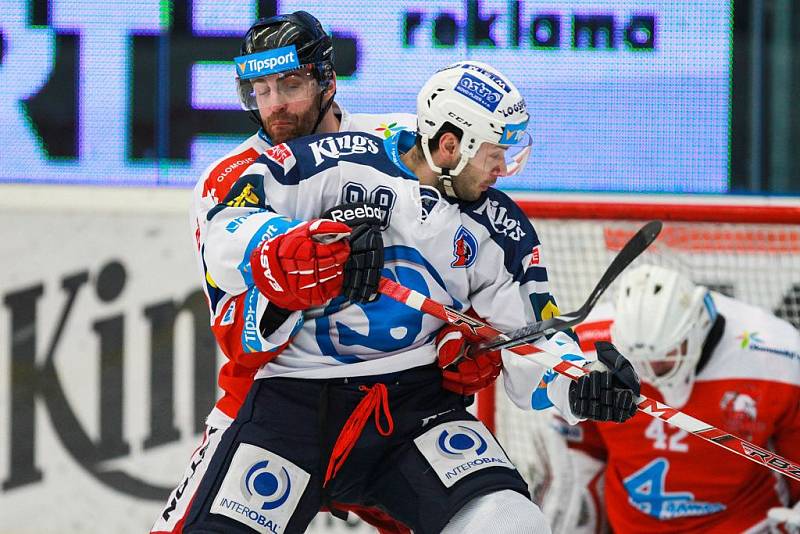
[624, 95]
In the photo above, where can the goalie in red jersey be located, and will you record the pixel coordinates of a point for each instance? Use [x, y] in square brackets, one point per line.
[731, 364]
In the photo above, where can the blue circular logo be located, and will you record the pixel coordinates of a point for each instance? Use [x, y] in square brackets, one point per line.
[265, 487]
[460, 443]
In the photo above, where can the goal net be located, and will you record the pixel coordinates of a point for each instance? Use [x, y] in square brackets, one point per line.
[749, 250]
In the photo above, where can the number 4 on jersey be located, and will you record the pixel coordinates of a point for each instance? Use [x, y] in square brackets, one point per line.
[647, 491]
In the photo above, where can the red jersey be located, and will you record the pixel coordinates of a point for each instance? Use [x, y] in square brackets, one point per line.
[659, 478]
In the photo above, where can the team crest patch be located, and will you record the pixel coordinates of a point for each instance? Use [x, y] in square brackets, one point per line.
[260, 490]
[459, 448]
[465, 248]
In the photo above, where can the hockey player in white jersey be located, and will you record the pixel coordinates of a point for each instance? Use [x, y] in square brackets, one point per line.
[726, 362]
[288, 103]
[348, 405]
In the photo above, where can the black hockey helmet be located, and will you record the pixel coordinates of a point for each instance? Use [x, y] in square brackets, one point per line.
[301, 29]
[314, 50]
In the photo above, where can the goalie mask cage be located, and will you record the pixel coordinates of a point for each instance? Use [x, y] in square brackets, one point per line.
[745, 247]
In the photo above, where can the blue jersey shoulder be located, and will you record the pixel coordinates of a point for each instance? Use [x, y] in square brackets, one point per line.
[300, 159]
[509, 227]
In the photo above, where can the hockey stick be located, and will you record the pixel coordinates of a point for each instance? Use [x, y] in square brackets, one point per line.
[651, 407]
[635, 246]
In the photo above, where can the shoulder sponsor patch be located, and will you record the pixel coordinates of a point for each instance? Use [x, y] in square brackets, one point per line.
[282, 155]
[478, 91]
[219, 180]
[459, 448]
[260, 489]
[753, 341]
[243, 197]
[387, 130]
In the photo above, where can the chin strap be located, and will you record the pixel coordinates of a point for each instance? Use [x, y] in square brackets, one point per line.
[447, 183]
[446, 175]
[322, 111]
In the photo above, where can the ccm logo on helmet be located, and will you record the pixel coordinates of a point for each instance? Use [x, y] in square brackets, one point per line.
[460, 120]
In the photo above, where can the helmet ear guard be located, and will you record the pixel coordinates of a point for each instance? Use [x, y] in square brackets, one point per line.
[661, 322]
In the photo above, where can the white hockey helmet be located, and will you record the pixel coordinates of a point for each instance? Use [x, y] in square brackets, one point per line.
[480, 101]
[660, 324]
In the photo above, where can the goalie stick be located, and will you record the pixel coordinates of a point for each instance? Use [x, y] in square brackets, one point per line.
[635, 246]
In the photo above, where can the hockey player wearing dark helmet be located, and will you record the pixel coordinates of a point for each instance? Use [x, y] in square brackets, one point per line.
[285, 76]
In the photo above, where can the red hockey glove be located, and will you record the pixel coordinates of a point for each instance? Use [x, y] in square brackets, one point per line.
[304, 267]
[362, 272]
[463, 374]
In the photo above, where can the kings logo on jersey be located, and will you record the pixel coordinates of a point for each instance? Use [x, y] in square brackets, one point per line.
[465, 248]
[500, 220]
[341, 145]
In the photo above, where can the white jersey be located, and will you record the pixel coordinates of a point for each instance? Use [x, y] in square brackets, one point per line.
[236, 379]
[213, 186]
[483, 255]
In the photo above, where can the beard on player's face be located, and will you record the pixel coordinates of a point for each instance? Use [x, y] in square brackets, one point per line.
[292, 121]
[471, 183]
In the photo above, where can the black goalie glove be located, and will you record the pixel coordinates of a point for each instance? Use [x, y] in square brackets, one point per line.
[362, 271]
[606, 395]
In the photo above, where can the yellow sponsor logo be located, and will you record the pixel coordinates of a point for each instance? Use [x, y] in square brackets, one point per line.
[247, 196]
[550, 310]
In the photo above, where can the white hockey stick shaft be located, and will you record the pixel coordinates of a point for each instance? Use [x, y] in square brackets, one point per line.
[651, 407]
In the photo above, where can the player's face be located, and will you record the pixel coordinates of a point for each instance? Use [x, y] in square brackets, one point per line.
[288, 104]
[481, 172]
[665, 366]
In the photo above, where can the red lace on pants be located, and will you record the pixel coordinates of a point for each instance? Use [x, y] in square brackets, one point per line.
[375, 401]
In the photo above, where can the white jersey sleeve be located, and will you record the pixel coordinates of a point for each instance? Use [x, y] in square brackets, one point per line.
[512, 290]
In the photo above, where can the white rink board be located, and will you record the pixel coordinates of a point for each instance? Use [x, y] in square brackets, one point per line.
[82, 236]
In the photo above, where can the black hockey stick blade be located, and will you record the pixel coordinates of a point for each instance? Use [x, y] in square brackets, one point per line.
[632, 249]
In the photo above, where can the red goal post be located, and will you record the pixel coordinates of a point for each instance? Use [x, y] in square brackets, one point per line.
[747, 247]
